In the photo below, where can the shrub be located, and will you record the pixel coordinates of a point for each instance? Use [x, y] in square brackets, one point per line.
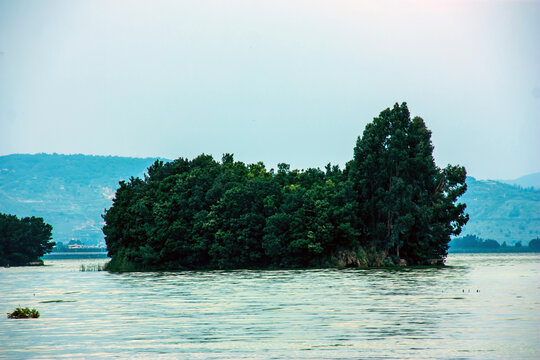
[23, 313]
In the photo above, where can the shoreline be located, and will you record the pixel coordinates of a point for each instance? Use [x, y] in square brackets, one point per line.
[507, 250]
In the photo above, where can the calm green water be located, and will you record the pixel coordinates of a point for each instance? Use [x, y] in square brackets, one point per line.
[484, 306]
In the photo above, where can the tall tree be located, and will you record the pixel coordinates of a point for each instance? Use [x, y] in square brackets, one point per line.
[406, 201]
[23, 240]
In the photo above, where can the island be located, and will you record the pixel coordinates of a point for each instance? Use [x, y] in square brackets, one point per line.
[389, 206]
[24, 241]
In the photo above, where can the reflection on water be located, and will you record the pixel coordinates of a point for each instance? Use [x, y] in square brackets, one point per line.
[481, 306]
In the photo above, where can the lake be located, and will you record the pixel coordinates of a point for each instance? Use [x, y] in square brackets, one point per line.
[482, 306]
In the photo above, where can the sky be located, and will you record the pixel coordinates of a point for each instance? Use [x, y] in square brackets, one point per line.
[272, 81]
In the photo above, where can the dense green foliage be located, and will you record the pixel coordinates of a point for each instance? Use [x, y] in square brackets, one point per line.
[23, 240]
[390, 202]
[23, 313]
[407, 204]
[71, 191]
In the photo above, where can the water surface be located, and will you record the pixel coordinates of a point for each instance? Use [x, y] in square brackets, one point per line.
[484, 306]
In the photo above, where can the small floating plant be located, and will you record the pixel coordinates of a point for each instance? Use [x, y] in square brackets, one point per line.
[23, 313]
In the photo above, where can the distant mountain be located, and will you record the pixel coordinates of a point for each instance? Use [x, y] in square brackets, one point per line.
[527, 181]
[71, 192]
[502, 212]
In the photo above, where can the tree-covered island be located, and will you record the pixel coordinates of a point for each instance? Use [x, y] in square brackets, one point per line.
[23, 241]
[390, 205]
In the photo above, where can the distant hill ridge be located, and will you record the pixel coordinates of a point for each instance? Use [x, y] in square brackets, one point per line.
[527, 181]
[501, 211]
[71, 191]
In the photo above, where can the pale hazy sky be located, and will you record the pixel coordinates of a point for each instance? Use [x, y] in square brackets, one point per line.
[275, 81]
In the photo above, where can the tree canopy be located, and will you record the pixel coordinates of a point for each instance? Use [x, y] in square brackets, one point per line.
[23, 240]
[390, 202]
[407, 203]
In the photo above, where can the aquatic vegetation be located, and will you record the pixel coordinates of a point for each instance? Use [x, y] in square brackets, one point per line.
[92, 267]
[23, 313]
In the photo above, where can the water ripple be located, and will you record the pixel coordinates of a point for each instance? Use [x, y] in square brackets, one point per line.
[482, 306]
